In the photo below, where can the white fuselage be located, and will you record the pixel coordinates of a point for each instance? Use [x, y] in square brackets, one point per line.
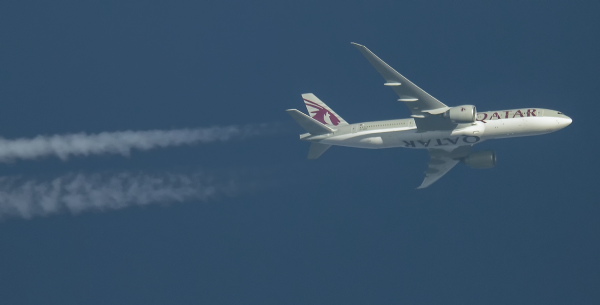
[489, 125]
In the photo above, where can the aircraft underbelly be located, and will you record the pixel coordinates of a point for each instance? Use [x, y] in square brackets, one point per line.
[408, 139]
[519, 127]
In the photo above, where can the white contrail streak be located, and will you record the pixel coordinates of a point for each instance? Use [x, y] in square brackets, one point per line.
[75, 193]
[82, 144]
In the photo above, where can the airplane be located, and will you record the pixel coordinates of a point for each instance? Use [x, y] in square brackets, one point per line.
[448, 133]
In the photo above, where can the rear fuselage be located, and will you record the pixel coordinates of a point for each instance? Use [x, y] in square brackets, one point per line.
[403, 132]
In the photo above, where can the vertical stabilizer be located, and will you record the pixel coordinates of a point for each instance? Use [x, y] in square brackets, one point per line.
[321, 112]
[316, 150]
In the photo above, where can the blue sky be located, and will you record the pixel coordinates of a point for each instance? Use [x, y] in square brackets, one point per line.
[346, 228]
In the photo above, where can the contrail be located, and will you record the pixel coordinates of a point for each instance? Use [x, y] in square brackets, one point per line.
[122, 142]
[77, 192]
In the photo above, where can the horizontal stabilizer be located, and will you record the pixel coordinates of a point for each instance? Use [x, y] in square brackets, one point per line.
[309, 124]
[317, 149]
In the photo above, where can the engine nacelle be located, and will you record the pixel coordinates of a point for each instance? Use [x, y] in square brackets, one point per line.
[481, 159]
[462, 114]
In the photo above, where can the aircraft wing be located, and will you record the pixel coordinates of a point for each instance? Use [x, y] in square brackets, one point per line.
[442, 161]
[418, 101]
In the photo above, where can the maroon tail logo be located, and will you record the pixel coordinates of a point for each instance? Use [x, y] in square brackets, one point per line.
[321, 112]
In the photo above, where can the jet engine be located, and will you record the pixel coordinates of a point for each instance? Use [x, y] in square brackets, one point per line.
[481, 159]
[462, 114]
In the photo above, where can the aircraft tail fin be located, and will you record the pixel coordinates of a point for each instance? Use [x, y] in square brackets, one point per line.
[316, 150]
[309, 124]
[321, 112]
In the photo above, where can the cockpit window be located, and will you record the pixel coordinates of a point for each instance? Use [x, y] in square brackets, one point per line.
[560, 112]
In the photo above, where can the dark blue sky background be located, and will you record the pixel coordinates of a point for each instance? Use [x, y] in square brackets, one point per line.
[348, 228]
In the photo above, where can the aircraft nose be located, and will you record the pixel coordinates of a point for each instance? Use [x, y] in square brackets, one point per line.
[564, 122]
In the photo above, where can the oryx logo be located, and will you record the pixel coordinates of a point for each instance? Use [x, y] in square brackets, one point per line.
[462, 109]
[321, 114]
